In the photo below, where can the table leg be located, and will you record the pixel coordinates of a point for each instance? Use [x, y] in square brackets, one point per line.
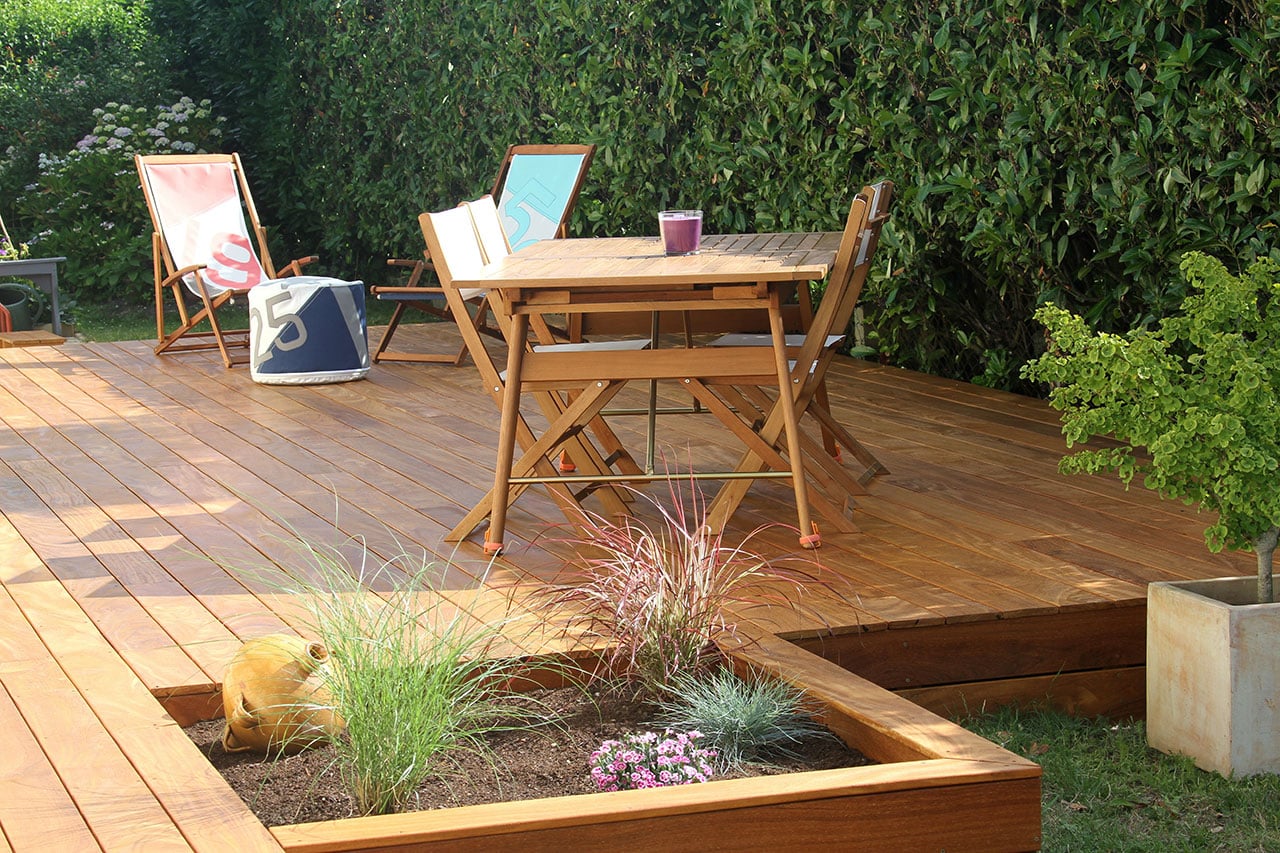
[507, 434]
[795, 451]
[56, 318]
[651, 439]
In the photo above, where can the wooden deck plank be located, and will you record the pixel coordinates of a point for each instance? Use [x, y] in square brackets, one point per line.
[28, 526]
[100, 780]
[1019, 457]
[34, 805]
[140, 494]
[298, 475]
[186, 786]
[144, 505]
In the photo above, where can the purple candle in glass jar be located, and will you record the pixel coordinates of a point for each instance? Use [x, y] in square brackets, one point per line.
[681, 231]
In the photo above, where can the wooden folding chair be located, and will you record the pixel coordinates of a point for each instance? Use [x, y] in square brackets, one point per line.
[535, 190]
[810, 355]
[199, 204]
[834, 435]
[493, 244]
[455, 247]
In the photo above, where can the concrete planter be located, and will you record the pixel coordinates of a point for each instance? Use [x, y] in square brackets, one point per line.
[1213, 674]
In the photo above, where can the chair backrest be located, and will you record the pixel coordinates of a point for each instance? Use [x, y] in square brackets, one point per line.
[198, 205]
[853, 261]
[455, 251]
[536, 189]
[488, 225]
[867, 214]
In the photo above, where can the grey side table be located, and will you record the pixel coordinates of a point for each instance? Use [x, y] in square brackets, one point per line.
[43, 272]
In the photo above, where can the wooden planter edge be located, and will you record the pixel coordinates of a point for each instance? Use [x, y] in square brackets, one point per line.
[919, 751]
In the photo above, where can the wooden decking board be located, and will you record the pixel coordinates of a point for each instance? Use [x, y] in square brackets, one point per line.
[1083, 521]
[138, 493]
[1118, 693]
[956, 449]
[36, 529]
[34, 805]
[966, 652]
[429, 449]
[105, 787]
[954, 528]
[999, 560]
[188, 624]
[185, 785]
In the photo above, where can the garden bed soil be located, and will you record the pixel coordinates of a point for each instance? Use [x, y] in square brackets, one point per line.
[523, 764]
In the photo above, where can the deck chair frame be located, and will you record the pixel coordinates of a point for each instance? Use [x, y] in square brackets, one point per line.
[195, 278]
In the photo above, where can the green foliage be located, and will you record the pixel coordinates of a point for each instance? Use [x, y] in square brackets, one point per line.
[414, 677]
[1199, 392]
[11, 251]
[88, 201]
[1103, 789]
[745, 720]
[1041, 152]
[1061, 152]
[61, 58]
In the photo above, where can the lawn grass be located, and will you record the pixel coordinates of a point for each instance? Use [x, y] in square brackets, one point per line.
[132, 320]
[1105, 790]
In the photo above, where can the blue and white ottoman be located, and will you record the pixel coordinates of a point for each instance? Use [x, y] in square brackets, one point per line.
[307, 329]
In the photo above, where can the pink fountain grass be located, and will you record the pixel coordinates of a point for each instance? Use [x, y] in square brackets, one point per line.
[661, 595]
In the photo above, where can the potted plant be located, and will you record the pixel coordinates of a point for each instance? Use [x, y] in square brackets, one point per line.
[1194, 404]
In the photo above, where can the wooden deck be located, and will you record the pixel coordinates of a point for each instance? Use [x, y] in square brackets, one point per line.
[129, 481]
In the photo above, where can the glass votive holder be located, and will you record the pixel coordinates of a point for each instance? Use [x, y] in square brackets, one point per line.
[681, 231]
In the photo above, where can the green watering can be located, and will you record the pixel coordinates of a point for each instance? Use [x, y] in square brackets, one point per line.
[23, 310]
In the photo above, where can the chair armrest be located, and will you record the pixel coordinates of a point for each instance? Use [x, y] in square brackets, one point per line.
[407, 291]
[407, 262]
[297, 265]
[417, 267]
[175, 276]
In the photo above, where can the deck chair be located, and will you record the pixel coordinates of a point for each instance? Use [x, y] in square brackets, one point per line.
[810, 355]
[834, 435]
[535, 192]
[455, 245]
[200, 244]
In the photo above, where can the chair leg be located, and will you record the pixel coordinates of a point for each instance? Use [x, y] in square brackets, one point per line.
[396, 315]
[380, 354]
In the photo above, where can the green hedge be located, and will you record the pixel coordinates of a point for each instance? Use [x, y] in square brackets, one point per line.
[1069, 151]
[61, 59]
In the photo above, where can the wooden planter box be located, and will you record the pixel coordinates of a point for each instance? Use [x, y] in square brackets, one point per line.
[937, 787]
[1213, 674]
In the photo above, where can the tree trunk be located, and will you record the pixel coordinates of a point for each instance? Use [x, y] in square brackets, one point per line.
[1265, 546]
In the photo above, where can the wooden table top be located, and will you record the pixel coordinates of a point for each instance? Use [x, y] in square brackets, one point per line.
[626, 262]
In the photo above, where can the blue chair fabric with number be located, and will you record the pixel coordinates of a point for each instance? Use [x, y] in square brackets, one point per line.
[537, 192]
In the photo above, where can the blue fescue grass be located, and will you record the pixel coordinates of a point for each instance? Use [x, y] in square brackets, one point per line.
[745, 720]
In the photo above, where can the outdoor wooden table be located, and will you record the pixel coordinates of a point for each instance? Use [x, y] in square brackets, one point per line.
[632, 274]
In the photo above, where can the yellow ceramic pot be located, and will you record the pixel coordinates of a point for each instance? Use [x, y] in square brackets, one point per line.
[275, 697]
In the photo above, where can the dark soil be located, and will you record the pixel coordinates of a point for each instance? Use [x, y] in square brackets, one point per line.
[524, 764]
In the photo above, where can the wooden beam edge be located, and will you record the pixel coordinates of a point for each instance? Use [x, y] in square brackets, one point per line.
[421, 828]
